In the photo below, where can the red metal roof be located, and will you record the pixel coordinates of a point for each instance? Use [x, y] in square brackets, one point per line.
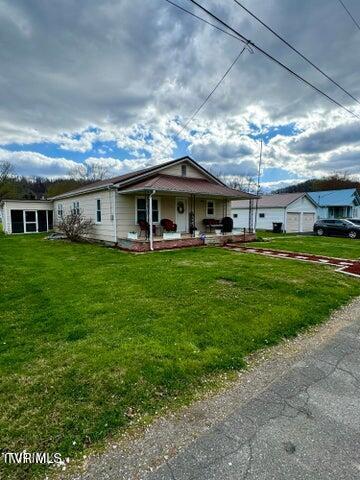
[102, 184]
[170, 183]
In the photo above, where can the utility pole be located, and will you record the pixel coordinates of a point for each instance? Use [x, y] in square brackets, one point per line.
[258, 184]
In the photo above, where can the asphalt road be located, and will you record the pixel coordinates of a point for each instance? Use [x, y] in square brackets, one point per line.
[306, 425]
[294, 416]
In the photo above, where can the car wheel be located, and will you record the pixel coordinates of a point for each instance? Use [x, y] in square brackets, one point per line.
[320, 232]
[352, 234]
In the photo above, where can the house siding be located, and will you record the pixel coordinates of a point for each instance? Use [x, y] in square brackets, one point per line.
[190, 171]
[104, 231]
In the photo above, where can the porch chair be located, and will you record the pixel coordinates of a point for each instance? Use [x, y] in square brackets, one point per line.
[145, 227]
[210, 223]
[168, 225]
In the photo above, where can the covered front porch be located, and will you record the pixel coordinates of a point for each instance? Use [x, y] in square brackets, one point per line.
[179, 213]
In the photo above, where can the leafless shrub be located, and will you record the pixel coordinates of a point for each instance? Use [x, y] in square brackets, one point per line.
[75, 226]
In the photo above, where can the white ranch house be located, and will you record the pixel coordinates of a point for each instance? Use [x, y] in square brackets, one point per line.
[177, 203]
[295, 211]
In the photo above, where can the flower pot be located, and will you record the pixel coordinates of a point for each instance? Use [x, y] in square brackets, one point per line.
[171, 235]
[132, 236]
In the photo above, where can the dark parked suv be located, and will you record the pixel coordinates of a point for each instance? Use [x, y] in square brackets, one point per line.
[337, 227]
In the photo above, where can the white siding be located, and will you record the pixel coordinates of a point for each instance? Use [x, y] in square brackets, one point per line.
[263, 223]
[302, 205]
[190, 171]
[104, 231]
[21, 205]
[126, 211]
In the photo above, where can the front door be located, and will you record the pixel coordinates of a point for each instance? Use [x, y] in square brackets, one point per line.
[182, 217]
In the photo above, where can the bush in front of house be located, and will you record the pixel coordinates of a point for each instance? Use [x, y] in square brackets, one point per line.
[75, 226]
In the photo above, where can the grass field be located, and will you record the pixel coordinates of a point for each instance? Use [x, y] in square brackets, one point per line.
[92, 338]
[331, 246]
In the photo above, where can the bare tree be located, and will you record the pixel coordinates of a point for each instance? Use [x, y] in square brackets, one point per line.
[90, 173]
[6, 171]
[245, 183]
[75, 226]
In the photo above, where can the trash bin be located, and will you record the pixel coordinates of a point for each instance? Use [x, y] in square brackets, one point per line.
[277, 227]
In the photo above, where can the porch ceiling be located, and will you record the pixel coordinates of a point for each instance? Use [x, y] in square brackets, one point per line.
[193, 186]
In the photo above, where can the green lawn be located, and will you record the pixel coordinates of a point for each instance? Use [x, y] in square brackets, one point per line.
[331, 246]
[91, 336]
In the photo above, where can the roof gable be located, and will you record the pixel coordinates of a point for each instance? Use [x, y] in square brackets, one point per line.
[138, 175]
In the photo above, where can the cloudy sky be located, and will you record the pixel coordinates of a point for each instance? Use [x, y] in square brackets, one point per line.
[113, 81]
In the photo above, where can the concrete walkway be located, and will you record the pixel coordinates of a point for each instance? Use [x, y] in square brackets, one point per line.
[294, 415]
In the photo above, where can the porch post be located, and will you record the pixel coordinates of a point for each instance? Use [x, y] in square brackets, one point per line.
[151, 238]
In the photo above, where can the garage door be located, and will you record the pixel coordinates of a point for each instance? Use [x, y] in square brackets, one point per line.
[308, 222]
[293, 222]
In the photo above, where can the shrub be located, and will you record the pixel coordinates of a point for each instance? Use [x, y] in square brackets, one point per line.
[75, 226]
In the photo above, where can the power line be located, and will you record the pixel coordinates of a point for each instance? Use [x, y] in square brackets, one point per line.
[268, 55]
[349, 13]
[295, 50]
[207, 98]
[202, 19]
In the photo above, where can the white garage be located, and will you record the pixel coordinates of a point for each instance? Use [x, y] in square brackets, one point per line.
[295, 211]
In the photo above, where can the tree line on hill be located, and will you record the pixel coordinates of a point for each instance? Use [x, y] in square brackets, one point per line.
[17, 187]
[335, 181]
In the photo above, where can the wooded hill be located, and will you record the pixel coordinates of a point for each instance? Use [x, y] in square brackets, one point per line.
[333, 182]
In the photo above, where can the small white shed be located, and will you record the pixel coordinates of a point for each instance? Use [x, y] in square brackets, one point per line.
[26, 216]
[296, 212]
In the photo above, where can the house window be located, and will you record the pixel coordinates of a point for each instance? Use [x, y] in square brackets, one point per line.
[98, 210]
[30, 221]
[261, 215]
[60, 210]
[76, 208]
[210, 207]
[141, 210]
[183, 170]
[235, 215]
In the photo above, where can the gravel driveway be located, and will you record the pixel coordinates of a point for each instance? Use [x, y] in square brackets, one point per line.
[294, 415]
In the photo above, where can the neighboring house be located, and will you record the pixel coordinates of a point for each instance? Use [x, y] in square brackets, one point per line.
[295, 211]
[344, 203]
[180, 190]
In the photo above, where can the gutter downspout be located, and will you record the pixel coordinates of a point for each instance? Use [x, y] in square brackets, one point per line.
[151, 239]
[114, 212]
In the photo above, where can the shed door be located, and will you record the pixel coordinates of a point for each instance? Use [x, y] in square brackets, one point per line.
[308, 222]
[17, 221]
[293, 222]
[42, 221]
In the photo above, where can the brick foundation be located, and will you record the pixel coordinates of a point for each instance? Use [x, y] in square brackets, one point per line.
[216, 240]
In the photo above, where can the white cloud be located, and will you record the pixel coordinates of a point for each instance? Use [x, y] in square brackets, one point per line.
[79, 74]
